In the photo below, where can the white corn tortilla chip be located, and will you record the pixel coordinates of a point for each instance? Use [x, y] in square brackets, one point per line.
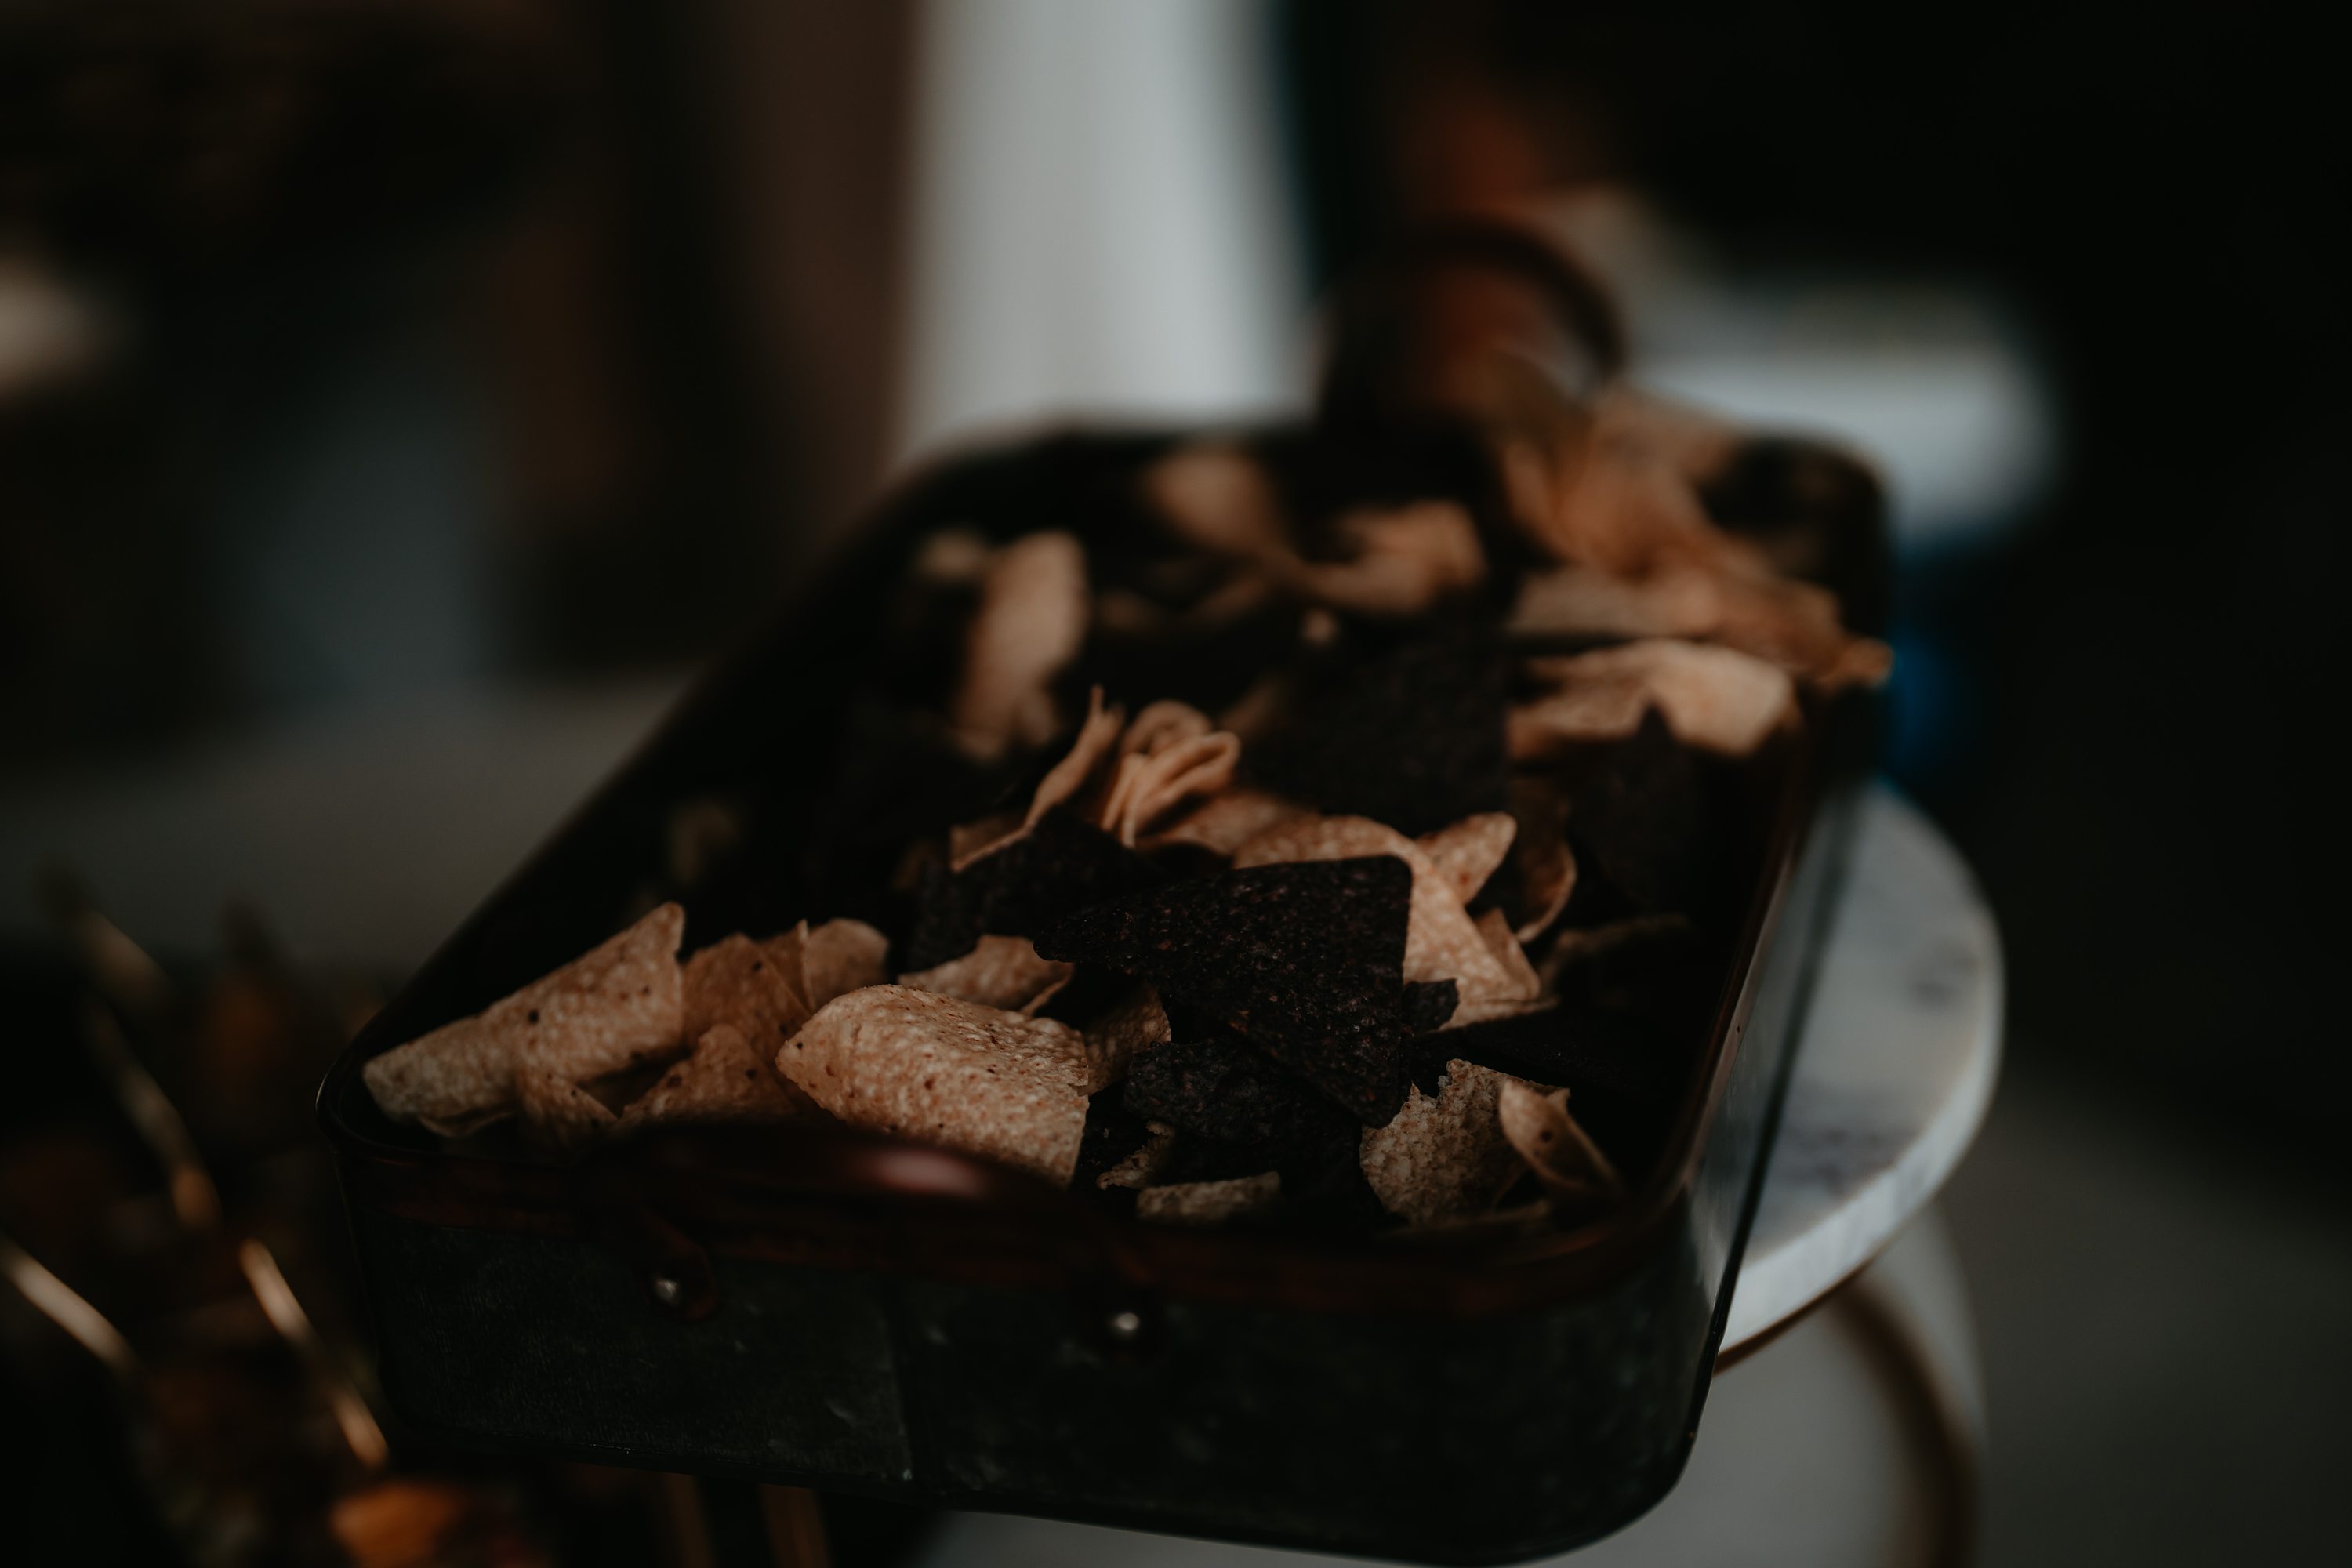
[1403, 560]
[1148, 787]
[1001, 972]
[1713, 697]
[739, 982]
[840, 956]
[1033, 605]
[725, 1079]
[617, 1005]
[1443, 1157]
[1227, 820]
[947, 1072]
[1208, 1203]
[1541, 1133]
[1467, 853]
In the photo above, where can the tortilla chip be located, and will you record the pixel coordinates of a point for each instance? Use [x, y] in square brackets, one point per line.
[947, 1072]
[1149, 785]
[1441, 942]
[618, 1005]
[560, 1114]
[1443, 1158]
[1032, 620]
[1412, 736]
[1001, 972]
[841, 957]
[1712, 697]
[1547, 866]
[1302, 958]
[968, 841]
[1227, 820]
[1221, 1086]
[1140, 1166]
[737, 981]
[1061, 864]
[1096, 738]
[1209, 1202]
[1541, 1133]
[1137, 1023]
[1403, 560]
[727, 1079]
[1580, 602]
[1468, 853]
[1219, 498]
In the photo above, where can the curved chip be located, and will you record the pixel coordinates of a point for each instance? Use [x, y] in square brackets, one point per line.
[1444, 1156]
[740, 983]
[618, 1005]
[1541, 1133]
[726, 1079]
[1713, 697]
[1033, 606]
[1149, 785]
[947, 1072]
[1467, 853]
[1001, 972]
[841, 957]
[1227, 820]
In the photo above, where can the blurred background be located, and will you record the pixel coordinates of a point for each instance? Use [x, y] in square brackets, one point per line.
[398, 402]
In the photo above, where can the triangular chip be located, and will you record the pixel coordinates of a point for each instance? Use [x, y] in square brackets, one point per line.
[1059, 865]
[726, 1079]
[1224, 822]
[947, 1072]
[1031, 622]
[1540, 1131]
[1713, 697]
[1441, 942]
[740, 983]
[1303, 958]
[840, 956]
[618, 1005]
[1413, 737]
[1001, 971]
[1467, 853]
[1443, 1157]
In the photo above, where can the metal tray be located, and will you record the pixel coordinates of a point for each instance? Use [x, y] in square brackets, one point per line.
[836, 1311]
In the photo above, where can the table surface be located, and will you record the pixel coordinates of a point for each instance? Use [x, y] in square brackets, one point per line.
[1893, 1074]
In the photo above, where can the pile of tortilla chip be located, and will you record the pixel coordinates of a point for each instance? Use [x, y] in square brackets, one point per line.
[1307, 892]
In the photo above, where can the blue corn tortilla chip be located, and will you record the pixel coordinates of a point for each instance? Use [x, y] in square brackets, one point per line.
[1412, 736]
[1304, 957]
[1638, 815]
[1428, 1004]
[1221, 1086]
[1061, 865]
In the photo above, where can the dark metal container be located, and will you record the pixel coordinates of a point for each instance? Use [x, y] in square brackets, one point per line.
[836, 1311]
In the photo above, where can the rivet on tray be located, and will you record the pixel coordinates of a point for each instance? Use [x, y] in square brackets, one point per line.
[667, 1291]
[1126, 1326]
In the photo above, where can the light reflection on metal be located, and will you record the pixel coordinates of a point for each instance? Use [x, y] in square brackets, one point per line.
[194, 1200]
[58, 1302]
[286, 1315]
